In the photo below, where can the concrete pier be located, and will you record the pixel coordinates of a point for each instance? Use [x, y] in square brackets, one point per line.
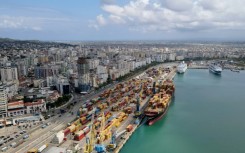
[129, 134]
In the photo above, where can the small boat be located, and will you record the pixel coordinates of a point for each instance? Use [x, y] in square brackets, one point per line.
[235, 70]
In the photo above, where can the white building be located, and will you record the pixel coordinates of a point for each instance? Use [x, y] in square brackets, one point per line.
[11, 89]
[62, 85]
[171, 56]
[159, 57]
[101, 69]
[179, 58]
[8, 74]
[50, 81]
[35, 107]
[148, 60]
[16, 108]
[93, 63]
[102, 74]
[3, 101]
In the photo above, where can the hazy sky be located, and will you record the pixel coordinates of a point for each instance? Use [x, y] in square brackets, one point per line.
[123, 19]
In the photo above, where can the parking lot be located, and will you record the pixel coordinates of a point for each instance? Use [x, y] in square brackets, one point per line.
[12, 136]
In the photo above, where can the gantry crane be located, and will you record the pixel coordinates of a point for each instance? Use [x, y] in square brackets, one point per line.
[112, 144]
[90, 140]
[137, 112]
[100, 148]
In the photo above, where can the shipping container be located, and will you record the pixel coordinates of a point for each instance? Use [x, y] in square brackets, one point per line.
[67, 131]
[84, 122]
[78, 126]
[79, 135]
[129, 128]
[42, 148]
[72, 128]
[83, 118]
[86, 130]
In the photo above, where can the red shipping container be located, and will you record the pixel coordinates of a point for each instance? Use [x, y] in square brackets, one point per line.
[86, 130]
[129, 128]
[106, 113]
[84, 122]
[79, 136]
[66, 131]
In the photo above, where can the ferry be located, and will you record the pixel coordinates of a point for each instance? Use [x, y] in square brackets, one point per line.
[182, 67]
[215, 68]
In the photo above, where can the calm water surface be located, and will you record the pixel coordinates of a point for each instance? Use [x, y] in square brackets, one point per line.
[207, 115]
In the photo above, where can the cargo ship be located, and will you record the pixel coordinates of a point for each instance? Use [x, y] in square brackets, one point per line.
[159, 103]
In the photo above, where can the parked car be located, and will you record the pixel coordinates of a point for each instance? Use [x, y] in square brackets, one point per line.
[4, 149]
[13, 144]
[26, 136]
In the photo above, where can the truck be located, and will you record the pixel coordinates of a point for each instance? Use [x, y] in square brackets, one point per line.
[33, 150]
[42, 148]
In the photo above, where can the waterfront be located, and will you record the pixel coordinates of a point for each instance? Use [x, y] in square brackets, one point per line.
[206, 115]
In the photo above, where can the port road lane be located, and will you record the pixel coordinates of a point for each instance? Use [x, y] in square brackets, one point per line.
[41, 134]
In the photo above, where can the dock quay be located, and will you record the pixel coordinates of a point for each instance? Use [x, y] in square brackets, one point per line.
[197, 66]
[129, 134]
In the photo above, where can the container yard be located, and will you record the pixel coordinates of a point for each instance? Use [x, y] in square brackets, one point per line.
[106, 122]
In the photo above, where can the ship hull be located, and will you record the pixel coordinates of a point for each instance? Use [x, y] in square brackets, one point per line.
[182, 67]
[181, 70]
[214, 71]
[154, 118]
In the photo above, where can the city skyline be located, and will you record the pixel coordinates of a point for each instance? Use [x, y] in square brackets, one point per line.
[123, 20]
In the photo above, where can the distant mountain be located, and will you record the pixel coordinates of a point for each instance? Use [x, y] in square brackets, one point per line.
[12, 40]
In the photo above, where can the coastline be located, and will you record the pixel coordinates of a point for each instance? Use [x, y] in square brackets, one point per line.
[135, 127]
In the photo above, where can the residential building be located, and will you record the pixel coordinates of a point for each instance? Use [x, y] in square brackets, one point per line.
[3, 101]
[9, 73]
[83, 74]
[44, 71]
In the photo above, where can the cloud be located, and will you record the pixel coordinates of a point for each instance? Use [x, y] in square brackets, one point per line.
[101, 20]
[108, 1]
[29, 23]
[179, 5]
[174, 15]
[117, 19]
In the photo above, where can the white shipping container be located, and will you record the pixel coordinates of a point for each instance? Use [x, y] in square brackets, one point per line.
[42, 148]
